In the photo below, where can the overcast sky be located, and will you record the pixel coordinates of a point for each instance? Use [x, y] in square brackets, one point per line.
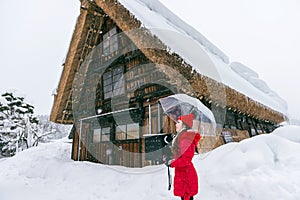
[34, 38]
[262, 34]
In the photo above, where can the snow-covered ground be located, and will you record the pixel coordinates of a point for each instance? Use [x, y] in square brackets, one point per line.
[263, 167]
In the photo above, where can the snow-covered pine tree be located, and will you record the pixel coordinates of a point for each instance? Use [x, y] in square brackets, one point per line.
[18, 124]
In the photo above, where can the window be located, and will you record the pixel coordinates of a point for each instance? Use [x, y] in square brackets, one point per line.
[127, 131]
[227, 136]
[113, 82]
[101, 135]
[133, 131]
[121, 132]
[259, 128]
[97, 135]
[110, 42]
[253, 132]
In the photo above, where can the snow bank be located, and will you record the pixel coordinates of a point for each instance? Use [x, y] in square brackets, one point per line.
[47, 172]
[291, 133]
[263, 167]
[260, 168]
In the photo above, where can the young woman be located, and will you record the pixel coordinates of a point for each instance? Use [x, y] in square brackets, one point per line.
[184, 145]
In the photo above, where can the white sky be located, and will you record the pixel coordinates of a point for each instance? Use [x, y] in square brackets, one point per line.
[34, 38]
[262, 34]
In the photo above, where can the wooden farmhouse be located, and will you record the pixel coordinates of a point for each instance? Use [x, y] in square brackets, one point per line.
[127, 54]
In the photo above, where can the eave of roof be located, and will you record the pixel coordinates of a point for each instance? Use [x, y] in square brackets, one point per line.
[69, 70]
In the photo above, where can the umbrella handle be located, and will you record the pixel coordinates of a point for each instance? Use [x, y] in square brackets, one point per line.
[169, 179]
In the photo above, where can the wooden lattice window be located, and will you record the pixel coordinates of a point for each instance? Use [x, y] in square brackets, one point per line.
[101, 135]
[110, 42]
[127, 131]
[113, 82]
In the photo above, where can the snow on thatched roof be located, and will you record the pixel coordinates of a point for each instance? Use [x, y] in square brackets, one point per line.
[161, 21]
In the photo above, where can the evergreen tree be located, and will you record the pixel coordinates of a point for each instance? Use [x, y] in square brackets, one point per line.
[18, 124]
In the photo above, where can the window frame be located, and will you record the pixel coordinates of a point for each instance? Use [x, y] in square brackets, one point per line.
[113, 83]
[110, 41]
[124, 133]
[100, 134]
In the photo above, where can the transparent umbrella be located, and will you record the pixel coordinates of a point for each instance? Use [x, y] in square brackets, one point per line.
[182, 104]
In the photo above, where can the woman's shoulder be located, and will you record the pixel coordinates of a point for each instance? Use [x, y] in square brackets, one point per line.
[190, 135]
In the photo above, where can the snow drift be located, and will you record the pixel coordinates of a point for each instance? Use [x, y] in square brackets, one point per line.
[262, 167]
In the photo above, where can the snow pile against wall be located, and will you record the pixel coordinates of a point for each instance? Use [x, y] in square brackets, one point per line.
[291, 133]
[48, 173]
[262, 167]
[200, 53]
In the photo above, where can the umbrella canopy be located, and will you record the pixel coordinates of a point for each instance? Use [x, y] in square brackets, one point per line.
[182, 104]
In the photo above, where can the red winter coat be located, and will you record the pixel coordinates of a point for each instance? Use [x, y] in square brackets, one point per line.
[186, 179]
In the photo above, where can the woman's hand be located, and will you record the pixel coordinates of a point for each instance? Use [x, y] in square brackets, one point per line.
[166, 162]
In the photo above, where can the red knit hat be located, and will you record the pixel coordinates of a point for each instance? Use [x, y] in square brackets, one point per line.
[187, 119]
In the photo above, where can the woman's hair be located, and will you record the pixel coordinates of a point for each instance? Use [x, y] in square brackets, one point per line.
[186, 126]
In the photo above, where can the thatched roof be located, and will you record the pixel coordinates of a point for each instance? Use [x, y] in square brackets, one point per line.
[63, 99]
[126, 20]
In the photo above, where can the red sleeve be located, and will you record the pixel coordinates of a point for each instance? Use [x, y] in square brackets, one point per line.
[187, 150]
[197, 138]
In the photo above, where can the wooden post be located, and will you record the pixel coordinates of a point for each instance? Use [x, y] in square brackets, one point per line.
[140, 98]
[150, 119]
[158, 118]
[79, 141]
